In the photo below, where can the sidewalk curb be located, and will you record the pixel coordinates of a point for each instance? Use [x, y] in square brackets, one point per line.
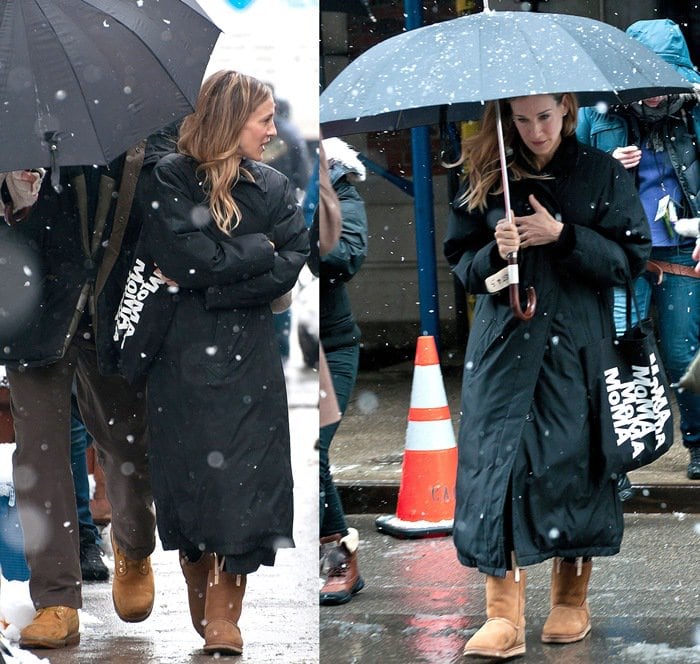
[381, 497]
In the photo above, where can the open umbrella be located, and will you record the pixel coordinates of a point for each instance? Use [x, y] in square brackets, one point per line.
[83, 80]
[447, 71]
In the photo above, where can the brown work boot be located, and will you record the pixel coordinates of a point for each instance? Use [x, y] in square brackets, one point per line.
[343, 579]
[569, 619]
[196, 575]
[52, 627]
[133, 587]
[503, 634]
[222, 611]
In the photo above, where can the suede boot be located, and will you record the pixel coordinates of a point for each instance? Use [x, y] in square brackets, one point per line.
[503, 634]
[343, 579]
[222, 611]
[326, 545]
[197, 576]
[133, 587]
[51, 627]
[569, 619]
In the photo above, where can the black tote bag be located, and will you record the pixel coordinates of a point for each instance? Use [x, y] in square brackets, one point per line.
[631, 416]
[143, 317]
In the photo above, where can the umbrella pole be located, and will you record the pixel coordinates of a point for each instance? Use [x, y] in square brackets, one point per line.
[513, 272]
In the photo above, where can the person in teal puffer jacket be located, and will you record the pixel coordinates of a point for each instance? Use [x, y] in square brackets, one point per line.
[656, 141]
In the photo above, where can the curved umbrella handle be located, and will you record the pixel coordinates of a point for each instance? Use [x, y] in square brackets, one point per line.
[514, 291]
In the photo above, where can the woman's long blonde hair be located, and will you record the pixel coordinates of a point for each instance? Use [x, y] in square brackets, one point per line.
[211, 136]
[480, 151]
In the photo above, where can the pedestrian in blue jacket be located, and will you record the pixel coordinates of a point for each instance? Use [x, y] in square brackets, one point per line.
[656, 141]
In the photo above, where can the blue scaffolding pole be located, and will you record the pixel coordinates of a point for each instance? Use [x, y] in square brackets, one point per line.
[423, 208]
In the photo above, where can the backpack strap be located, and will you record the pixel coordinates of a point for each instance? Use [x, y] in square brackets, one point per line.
[130, 175]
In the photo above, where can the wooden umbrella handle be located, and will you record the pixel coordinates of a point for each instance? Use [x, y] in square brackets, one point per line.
[514, 291]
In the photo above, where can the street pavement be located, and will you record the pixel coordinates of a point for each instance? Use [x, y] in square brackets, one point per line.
[280, 610]
[368, 447]
[420, 605]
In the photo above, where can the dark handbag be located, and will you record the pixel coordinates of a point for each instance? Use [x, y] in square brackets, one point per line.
[631, 417]
[143, 317]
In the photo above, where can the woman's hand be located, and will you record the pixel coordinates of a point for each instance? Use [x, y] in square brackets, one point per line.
[168, 282]
[507, 237]
[629, 156]
[538, 228]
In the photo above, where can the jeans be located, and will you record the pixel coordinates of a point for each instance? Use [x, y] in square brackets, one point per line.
[79, 442]
[677, 303]
[343, 364]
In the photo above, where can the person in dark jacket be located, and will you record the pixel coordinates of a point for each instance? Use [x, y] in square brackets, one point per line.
[656, 141]
[528, 486]
[340, 339]
[83, 233]
[227, 234]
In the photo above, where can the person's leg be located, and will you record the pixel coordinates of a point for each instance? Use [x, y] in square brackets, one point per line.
[40, 399]
[81, 484]
[677, 301]
[92, 567]
[114, 414]
[339, 544]
[343, 365]
[42, 476]
[283, 324]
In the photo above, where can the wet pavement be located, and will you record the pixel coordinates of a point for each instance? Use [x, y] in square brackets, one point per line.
[280, 611]
[367, 450]
[420, 605]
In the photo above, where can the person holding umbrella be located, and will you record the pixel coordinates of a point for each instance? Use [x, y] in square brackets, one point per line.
[656, 141]
[84, 235]
[528, 488]
[226, 233]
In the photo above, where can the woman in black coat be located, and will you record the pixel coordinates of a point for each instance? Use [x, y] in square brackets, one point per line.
[226, 233]
[528, 485]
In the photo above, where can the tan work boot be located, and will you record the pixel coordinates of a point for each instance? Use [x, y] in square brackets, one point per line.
[569, 619]
[133, 587]
[52, 627]
[196, 575]
[343, 577]
[222, 611]
[503, 634]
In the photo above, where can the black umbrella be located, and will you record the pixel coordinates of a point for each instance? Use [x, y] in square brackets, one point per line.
[83, 80]
[447, 71]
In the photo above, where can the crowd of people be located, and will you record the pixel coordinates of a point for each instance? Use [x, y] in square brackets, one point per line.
[212, 235]
[228, 238]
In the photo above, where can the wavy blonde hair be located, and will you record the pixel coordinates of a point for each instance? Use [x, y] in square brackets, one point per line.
[211, 136]
[480, 151]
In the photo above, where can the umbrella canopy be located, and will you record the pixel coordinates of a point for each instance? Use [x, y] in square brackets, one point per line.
[83, 80]
[446, 71]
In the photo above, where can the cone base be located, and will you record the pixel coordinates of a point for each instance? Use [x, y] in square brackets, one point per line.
[392, 525]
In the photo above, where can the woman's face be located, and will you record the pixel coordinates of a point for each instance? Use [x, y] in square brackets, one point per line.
[539, 120]
[258, 131]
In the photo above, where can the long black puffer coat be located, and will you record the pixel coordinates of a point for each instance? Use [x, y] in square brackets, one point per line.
[220, 456]
[528, 478]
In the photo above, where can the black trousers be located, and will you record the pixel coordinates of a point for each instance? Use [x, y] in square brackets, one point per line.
[115, 415]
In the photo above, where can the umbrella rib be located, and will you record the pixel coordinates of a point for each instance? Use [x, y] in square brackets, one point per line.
[75, 76]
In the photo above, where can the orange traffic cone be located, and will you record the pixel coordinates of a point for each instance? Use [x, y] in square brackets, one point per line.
[427, 494]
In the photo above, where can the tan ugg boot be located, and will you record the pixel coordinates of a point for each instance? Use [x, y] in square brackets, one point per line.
[51, 627]
[503, 634]
[569, 619]
[197, 575]
[222, 611]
